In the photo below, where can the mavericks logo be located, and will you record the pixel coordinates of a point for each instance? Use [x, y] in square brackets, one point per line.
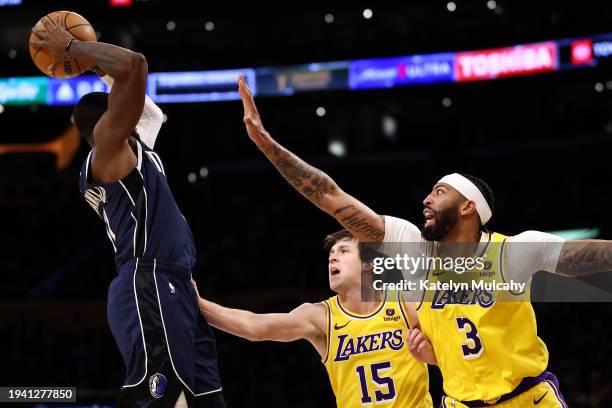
[348, 347]
[157, 385]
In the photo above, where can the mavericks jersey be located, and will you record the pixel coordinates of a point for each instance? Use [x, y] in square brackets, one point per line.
[368, 360]
[485, 342]
[141, 218]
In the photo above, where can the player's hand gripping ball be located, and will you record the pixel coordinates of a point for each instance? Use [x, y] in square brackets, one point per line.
[49, 42]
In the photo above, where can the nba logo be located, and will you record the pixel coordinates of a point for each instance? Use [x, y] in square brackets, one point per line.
[157, 385]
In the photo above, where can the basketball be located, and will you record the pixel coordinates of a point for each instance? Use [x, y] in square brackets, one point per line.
[79, 28]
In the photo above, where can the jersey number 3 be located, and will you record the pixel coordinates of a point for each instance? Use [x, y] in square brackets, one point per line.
[473, 348]
[387, 382]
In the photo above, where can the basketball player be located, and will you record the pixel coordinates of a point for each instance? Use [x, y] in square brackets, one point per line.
[362, 343]
[167, 346]
[488, 353]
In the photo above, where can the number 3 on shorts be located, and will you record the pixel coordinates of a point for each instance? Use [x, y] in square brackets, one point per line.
[473, 348]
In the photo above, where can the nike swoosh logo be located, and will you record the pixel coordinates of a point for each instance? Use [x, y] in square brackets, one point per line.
[336, 327]
[537, 401]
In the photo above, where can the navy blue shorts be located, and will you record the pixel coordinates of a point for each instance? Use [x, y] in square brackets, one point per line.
[166, 343]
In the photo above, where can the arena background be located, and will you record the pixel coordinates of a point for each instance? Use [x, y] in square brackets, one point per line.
[542, 142]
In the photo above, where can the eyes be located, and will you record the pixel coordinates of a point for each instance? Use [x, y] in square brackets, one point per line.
[438, 191]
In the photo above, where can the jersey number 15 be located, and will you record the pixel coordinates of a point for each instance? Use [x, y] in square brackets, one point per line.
[376, 369]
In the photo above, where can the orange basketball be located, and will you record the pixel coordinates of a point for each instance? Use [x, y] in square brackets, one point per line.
[76, 25]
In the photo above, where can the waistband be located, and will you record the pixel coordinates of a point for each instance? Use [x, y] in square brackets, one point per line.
[154, 265]
[526, 384]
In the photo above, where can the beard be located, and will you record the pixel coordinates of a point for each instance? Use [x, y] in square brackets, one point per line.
[444, 220]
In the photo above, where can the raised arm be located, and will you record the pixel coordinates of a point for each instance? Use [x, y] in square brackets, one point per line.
[312, 183]
[113, 159]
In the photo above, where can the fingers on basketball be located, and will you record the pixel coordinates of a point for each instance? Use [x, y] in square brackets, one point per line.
[77, 26]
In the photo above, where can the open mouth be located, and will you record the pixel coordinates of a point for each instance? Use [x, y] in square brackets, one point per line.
[334, 271]
[429, 217]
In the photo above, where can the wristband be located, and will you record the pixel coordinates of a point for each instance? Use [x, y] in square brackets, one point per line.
[68, 46]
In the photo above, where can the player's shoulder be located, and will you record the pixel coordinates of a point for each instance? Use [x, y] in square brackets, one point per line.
[401, 230]
[311, 308]
[315, 313]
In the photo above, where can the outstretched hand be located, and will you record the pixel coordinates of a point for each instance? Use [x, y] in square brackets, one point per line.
[53, 40]
[251, 118]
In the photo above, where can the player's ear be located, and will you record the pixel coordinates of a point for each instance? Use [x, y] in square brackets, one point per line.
[467, 207]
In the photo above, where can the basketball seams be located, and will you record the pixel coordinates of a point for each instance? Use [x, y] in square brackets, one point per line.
[50, 19]
[77, 25]
[66, 19]
[36, 53]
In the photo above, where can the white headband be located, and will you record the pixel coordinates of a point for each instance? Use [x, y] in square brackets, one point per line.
[471, 192]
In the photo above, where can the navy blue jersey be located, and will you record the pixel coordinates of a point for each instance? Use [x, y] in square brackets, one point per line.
[140, 215]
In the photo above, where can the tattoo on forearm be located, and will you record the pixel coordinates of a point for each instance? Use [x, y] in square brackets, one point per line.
[352, 221]
[311, 182]
[582, 258]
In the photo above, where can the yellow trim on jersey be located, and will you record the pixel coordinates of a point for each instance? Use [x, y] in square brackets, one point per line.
[353, 315]
[501, 267]
[403, 309]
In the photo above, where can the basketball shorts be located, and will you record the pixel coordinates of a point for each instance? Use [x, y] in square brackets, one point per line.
[166, 344]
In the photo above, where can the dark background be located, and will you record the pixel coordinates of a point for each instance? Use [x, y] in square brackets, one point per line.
[542, 142]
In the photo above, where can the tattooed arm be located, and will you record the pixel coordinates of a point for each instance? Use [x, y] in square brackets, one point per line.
[584, 257]
[312, 183]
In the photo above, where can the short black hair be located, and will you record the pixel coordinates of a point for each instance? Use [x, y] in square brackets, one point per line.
[484, 188]
[87, 113]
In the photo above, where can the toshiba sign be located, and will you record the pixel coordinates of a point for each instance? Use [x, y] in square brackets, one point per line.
[506, 62]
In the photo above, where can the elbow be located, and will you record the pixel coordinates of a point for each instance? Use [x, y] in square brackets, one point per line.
[331, 200]
[133, 64]
[138, 64]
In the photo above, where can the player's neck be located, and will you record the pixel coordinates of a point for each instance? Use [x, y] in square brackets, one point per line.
[354, 301]
[460, 242]
[462, 233]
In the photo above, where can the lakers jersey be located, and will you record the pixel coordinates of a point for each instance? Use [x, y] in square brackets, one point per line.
[485, 341]
[368, 360]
